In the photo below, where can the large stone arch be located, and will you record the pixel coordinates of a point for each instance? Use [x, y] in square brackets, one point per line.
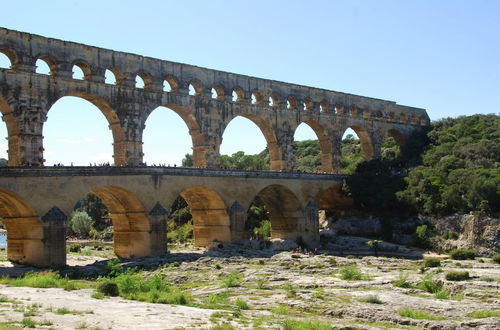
[285, 211]
[198, 141]
[210, 218]
[275, 152]
[325, 145]
[12, 125]
[25, 232]
[132, 228]
[117, 130]
[365, 140]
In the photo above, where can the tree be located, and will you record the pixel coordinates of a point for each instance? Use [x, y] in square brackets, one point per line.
[80, 223]
[460, 170]
[93, 206]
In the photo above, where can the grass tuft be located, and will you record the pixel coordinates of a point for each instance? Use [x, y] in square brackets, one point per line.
[232, 280]
[457, 276]
[402, 281]
[418, 314]
[481, 314]
[290, 324]
[432, 262]
[372, 299]
[351, 273]
[463, 254]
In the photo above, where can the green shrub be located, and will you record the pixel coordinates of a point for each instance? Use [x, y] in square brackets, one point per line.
[290, 289]
[462, 254]
[264, 230]
[402, 281]
[154, 289]
[113, 268]
[232, 279]
[108, 288]
[428, 284]
[75, 248]
[262, 282]
[442, 294]
[450, 235]
[418, 314]
[180, 234]
[422, 236]
[241, 304]
[481, 314]
[351, 273]
[42, 280]
[218, 300]
[290, 324]
[28, 323]
[457, 276]
[432, 262]
[372, 299]
[80, 223]
[496, 258]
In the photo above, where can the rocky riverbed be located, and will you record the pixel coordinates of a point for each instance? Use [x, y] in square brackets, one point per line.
[242, 288]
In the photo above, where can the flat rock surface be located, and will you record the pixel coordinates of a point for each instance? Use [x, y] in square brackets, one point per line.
[276, 286]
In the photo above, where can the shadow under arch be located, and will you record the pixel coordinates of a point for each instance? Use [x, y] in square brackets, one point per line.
[118, 133]
[13, 138]
[365, 140]
[210, 218]
[198, 141]
[332, 198]
[131, 225]
[275, 153]
[325, 145]
[25, 233]
[397, 136]
[284, 210]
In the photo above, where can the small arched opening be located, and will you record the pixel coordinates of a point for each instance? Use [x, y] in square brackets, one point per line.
[217, 92]
[7, 59]
[195, 88]
[45, 65]
[291, 103]
[238, 95]
[170, 84]
[143, 81]
[323, 107]
[112, 77]
[81, 71]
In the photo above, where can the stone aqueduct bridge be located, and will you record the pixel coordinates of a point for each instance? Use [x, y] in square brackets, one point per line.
[26, 98]
[35, 201]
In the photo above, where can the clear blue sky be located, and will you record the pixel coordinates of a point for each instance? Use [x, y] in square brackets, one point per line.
[443, 56]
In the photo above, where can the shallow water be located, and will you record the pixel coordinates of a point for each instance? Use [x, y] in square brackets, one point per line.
[3, 240]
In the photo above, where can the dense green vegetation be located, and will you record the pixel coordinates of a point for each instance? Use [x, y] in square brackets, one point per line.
[460, 168]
